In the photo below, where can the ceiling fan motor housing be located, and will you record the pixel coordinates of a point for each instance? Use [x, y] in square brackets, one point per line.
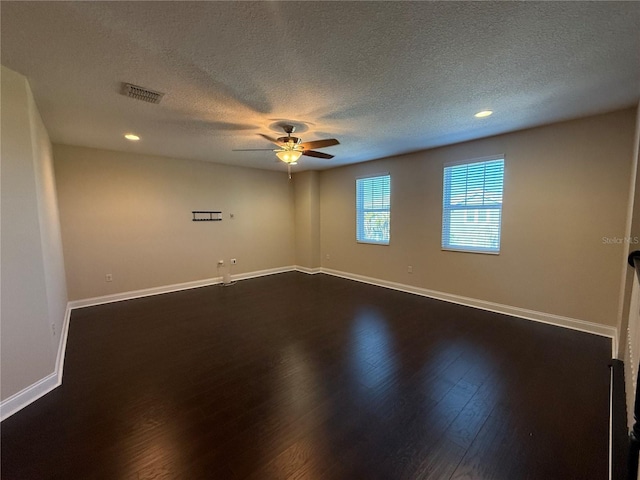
[292, 140]
[291, 148]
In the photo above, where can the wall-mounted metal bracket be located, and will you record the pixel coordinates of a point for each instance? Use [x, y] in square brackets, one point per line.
[207, 216]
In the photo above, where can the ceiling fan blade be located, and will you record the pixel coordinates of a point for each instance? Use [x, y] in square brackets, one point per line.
[312, 153]
[252, 150]
[272, 140]
[329, 142]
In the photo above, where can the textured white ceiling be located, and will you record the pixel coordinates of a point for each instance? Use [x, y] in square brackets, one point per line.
[382, 77]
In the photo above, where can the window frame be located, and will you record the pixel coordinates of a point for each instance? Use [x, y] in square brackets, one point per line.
[360, 220]
[446, 222]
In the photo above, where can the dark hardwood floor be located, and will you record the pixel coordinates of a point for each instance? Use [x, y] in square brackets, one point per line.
[296, 376]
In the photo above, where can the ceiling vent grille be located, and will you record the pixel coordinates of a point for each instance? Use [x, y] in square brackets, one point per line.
[141, 93]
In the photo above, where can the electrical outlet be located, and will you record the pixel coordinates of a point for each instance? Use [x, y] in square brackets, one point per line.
[410, 269]
[108, 277]
[327, 256]
[53, 329]
[233, 261]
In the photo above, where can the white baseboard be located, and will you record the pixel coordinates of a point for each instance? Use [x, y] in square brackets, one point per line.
[176, 287]
[146, 292]
[310, 271]
[43, 386]
[30, 394]
[261, 273]
[550, 318]
[24, 397]
[62, 347]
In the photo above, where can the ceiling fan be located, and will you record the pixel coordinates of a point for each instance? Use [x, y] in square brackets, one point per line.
[291, 148]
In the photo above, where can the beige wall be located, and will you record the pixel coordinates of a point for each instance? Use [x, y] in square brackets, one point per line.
[33, 286]
[307, 218]
[633, 225]
[566, 188]
[634, 206]
[130, 215]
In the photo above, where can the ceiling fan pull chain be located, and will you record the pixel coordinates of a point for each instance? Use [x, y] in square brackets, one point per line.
[289, 170]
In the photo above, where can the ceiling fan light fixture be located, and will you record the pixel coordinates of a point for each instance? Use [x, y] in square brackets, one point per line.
[290, 148]
[289, 156]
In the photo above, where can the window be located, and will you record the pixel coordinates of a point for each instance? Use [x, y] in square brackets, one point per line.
[472, 205]
[373, 204]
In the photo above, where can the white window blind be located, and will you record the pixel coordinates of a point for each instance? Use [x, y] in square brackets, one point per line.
[373, 209]
[472, 206]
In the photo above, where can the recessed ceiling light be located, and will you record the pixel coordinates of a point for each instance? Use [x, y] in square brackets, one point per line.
[483, 113]
[132, 137]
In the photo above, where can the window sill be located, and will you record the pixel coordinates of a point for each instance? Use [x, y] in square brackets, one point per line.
[462, 250]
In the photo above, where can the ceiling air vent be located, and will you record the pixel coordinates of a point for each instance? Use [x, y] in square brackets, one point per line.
[141, 93]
